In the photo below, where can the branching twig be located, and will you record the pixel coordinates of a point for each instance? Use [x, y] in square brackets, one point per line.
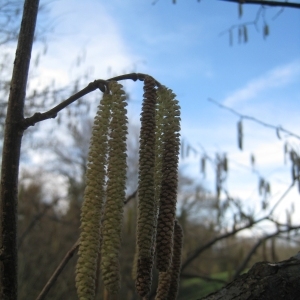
[202, 248]
[97, 84]
[58, 270]
[256, 246]
[267, 3]
[278, 128]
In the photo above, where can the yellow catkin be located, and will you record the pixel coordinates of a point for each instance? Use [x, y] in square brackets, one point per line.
[169, 176]
[115, 192]
[92, 205]
[146, 206]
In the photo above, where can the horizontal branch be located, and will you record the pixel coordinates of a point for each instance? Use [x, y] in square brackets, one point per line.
[268, 3]
[97, 84]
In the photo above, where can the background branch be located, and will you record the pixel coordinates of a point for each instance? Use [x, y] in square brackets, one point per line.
[268, 3]
[58, 271]
[67, 258]
[277, 128]
[243, 265]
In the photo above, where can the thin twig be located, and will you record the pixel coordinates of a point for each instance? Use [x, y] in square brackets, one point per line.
[66, 259]
[267, 3]
[202, 248]
[92, 86]
[52, 113]
[277, 128]
[58, 270]
[282, 197]
[131, 196]
[256, 246]
[34, 221]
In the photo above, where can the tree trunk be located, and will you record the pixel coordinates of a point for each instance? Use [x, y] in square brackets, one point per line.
[266, 281]
[11, 154]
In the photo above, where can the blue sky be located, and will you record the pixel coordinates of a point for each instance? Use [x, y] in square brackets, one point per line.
[181, 46]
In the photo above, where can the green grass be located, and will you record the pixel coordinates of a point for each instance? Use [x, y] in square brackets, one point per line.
[196, 288]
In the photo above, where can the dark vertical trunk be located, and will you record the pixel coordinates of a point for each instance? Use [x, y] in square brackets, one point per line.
[11, 154]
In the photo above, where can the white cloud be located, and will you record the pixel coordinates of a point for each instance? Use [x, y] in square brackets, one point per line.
[278, 77]
[88, 32]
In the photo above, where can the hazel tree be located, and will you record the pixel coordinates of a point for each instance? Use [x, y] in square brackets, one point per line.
[158, 233]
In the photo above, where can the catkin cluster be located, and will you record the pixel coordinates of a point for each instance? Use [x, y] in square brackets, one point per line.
[159, 149]
[107, 158]
[158, 233]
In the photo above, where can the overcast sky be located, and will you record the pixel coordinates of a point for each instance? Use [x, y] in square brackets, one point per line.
[183, 47]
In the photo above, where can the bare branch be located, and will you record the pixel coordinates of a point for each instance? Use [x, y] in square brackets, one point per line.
[202, 248]
[52, 113]
[267, 3]
[66, 259]
[243, 265]
[97, 84]
[250, 224]
[58, 270]
[277, 128]
[282, 197]
[34, 221]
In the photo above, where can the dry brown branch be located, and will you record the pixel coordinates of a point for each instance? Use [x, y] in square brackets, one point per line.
[58, 271]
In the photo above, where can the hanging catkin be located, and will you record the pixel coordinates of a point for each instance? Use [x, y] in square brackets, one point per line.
[147, 208]
[162, 292]
[176, 261]
[168, 282]
[92, 205]
[115, 191]
[168, 190]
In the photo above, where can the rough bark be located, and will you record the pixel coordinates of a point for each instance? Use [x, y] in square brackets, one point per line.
[267, 281]
[11, 154]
